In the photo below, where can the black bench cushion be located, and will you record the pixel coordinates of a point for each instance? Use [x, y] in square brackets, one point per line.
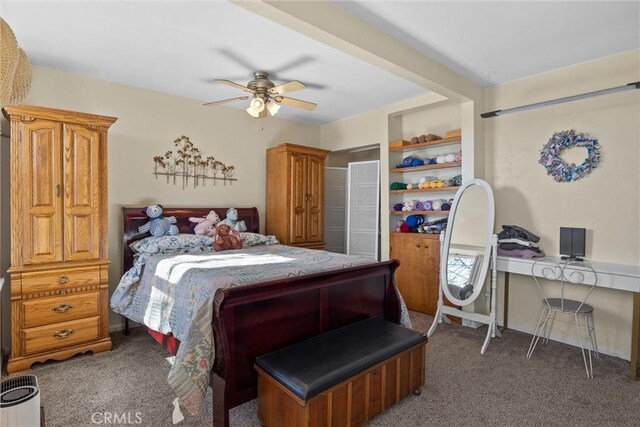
[310, 367]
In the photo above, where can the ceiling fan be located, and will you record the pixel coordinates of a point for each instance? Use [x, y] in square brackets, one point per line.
[266, 97]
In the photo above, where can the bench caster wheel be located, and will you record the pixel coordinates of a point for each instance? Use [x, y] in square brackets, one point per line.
[417, 392]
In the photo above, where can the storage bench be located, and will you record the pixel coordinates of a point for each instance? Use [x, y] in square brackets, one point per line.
[340, 378]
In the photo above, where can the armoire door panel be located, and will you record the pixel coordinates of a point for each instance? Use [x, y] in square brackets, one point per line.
[315, 185]
[82, 192]
[299, 196]
[41, 179]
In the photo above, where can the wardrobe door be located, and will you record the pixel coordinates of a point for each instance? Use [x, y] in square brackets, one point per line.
[40, 179]
[298, 183]
[315, 185]
[82, 189]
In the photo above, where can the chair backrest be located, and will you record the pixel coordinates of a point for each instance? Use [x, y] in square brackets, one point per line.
[573, 272]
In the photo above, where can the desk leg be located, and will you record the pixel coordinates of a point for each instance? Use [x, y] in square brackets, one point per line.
[635, 337]
[505, 311]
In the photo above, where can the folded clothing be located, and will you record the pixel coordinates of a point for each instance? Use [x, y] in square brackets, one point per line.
[521, 253]
[515, 232]
[515, 246]
[522, 242]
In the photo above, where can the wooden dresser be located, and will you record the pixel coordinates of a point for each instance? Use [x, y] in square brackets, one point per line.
[59, 282]
[295, 195]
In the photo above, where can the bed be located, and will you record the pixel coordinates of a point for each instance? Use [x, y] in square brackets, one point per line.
[295, 307]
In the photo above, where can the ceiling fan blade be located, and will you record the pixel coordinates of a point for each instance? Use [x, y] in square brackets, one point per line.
[233, 84]
[287, 87]
[224, 101]
[292, 102]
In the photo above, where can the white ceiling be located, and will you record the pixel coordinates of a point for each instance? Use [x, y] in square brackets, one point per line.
[178, 47]
[496, 41]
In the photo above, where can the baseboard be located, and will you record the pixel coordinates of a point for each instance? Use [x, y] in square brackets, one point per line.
[527, 329]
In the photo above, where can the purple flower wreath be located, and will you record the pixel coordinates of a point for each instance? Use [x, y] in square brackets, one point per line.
[562, 171]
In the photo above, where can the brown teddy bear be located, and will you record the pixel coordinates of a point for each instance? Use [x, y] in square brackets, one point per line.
[228, 238]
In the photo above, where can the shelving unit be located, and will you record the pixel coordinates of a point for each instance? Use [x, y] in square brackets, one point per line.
[420, 212]
[426, 167]
[428, 190]
[408, 146]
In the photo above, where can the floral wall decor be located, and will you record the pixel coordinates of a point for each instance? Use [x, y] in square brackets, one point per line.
[187, 163]
[562, 171]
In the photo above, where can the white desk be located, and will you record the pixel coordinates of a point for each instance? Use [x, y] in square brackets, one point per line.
[614, 276]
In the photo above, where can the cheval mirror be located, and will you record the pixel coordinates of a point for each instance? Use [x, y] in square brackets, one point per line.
[467, 246]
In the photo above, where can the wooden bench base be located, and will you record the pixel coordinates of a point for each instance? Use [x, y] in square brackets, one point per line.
[350, 403]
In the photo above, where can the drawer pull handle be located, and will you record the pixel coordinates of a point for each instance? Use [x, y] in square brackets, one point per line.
[417, 245]
[63, 333]
[63, 279]
[426, 246]
[62, 308]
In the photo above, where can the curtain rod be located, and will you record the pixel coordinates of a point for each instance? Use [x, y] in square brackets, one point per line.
[629, 86]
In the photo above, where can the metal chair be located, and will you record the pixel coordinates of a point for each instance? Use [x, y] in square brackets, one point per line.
[577, 274]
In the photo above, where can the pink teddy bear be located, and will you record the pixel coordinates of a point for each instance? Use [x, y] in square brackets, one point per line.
[206, 226]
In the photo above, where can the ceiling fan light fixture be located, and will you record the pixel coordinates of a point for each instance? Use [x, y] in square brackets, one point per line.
[256, 106]
[273, 108]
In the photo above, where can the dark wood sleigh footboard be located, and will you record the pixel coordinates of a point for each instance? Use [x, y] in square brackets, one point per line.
[256, 319]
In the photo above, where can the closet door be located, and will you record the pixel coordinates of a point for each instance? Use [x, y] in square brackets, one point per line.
[41, 179]
[363, 201]
[299, 195]
[81, 193]
[315, 213]
[335, 209]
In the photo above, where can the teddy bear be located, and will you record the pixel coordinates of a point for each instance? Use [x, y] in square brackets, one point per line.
[158, 225]
[206, 226]
[232, 220]
[228, 238]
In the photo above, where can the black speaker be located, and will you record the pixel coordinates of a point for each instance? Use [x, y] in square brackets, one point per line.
[572, 243]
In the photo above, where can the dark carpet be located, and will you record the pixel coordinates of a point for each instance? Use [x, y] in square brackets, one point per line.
[501, 388]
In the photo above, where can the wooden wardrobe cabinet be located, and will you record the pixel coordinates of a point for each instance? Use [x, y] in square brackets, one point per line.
[295, 195]
[59, 281]
[417, 277]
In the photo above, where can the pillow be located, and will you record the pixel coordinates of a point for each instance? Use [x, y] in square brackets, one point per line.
[255, 239]
[153, 245]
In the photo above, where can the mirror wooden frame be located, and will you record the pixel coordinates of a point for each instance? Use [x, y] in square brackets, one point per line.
[489, 255]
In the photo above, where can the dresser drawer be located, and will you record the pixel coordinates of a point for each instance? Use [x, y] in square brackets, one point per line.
[47, 281]
[45, 311]
[64, 334]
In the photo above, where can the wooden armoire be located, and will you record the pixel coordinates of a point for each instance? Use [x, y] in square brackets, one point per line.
[59, 282]
[295, 195]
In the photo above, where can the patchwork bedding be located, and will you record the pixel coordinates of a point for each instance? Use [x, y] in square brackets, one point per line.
[172, 292]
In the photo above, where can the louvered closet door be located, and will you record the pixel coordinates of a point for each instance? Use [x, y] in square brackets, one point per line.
[298, 215]
[363, 201]
[41, 179]
[82, 193]
[315, 214]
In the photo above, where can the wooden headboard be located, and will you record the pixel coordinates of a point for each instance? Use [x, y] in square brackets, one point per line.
[133, 217]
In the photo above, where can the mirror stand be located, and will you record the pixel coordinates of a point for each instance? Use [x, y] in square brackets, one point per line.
[490, 319]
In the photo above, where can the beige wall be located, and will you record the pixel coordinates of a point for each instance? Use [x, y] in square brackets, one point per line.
[148, 122]
[606, 203]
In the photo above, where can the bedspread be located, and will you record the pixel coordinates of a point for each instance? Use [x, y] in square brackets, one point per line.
[173, 293]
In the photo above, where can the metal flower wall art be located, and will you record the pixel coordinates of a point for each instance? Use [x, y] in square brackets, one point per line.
[187, 163]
